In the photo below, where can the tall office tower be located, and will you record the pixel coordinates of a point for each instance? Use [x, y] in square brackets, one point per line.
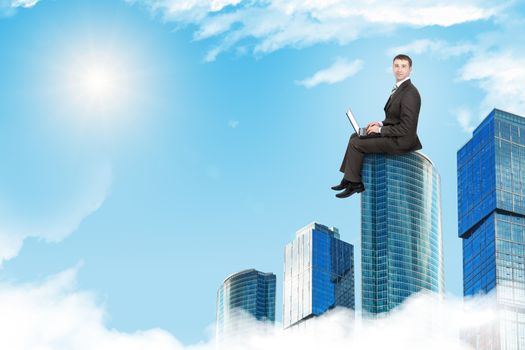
[402, 250]
[491, 213]
[318, 274]
[242, 298]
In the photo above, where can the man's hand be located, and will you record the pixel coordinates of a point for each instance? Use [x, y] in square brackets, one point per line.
[374, 129]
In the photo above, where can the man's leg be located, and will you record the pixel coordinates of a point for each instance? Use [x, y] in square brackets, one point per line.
[344, 162]
[356, 150]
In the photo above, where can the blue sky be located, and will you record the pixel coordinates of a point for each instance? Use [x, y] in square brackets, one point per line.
[153, 147]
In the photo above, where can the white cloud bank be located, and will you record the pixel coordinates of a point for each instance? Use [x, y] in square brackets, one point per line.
[54, 315]
[339, 71]
[269, 25]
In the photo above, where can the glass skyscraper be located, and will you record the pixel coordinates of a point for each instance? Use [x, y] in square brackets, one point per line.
[242, 298]
[318, 274]
[401, 235]
[491, 213]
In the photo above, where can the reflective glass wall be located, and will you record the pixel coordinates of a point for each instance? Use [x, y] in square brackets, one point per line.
[318, 274]
[401, 233]
[491, 213]
[242, 298]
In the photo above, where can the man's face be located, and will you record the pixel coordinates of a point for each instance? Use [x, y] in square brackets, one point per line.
[401, 69]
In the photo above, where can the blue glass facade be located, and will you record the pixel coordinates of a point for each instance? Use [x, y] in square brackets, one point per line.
[401, 235]
[242, 298]
[491, 212]
[318, 274]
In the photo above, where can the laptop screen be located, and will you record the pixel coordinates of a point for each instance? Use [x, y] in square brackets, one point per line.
[352, 120]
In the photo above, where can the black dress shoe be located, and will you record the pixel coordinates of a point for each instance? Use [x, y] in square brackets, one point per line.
[344, 183]
[351, 189]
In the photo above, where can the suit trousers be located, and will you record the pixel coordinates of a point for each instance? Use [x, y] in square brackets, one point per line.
[356, 150]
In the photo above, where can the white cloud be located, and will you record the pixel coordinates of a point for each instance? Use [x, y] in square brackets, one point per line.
[464, 118]
[8, 7]
[502, 77]
[24, 3]
[233, 123]
[339, 71]
[270, 25]
[55, 315]
[436, 47]
[53, 220]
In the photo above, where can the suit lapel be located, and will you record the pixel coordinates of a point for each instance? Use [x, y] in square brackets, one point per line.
[396, 94]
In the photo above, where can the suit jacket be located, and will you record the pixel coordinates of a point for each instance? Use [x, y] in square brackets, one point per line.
[402, 113]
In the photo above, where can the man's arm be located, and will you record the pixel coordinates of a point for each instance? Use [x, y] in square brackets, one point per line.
[410, 106]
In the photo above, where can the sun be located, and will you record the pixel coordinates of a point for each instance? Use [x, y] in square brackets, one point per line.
[99, 86]
[98, 82]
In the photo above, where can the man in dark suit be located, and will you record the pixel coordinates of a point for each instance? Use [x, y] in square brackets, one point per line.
[398, 132]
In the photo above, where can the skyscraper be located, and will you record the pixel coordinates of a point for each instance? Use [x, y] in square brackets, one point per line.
[400, 229]
[242, 298]
[318, 274]
[491, 213]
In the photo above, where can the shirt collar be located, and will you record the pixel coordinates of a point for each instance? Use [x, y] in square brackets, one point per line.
[402, 81]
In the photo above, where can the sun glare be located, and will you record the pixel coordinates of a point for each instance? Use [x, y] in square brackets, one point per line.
[99, 85]
[98, 82]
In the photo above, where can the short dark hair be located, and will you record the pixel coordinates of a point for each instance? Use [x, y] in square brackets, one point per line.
[403, 57]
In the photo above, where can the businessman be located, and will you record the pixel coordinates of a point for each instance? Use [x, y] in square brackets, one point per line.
[396, 134]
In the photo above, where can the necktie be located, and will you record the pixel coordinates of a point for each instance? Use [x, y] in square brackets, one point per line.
[393, 89]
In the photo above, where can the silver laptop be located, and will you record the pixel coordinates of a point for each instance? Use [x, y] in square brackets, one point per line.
[361, 132]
